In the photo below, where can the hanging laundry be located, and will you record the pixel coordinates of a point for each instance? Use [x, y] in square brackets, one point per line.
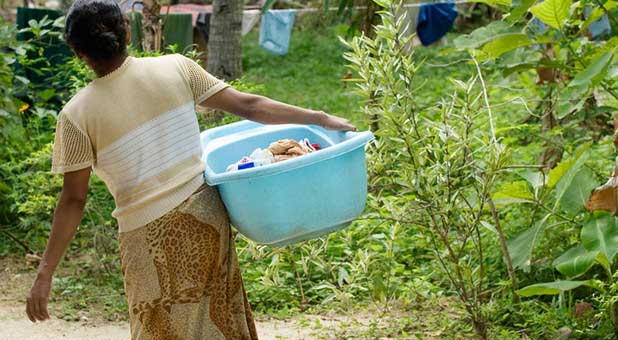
[278, 151]
[177, 29]
[598, 28]
[276, 29]
[249, 19]
[130, 5]
[137, 31]
[203, 24]
[193, 9]
[434, 21]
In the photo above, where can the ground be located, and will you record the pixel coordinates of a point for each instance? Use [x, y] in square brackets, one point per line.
[15, 280]
[17, 276]
[15, 325]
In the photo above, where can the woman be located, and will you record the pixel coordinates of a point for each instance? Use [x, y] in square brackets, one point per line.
[135, 126]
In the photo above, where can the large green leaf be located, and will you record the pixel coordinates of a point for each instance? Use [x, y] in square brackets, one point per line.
[535, 178]
[594, 72]
[601, 234]
[573, 163]
[550, 288]
[552, 12]
[480, 36]
[575, 261]
[577, 191]
[520, 60]
[515, 192]
[520, 9]
[570, 100]
[568, 192]
[505, 43]
[520, 247]
[495, 3]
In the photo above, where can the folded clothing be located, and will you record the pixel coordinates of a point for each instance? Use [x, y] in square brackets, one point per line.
[278, 151]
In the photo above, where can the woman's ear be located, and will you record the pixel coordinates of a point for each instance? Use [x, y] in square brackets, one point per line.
[79, 55]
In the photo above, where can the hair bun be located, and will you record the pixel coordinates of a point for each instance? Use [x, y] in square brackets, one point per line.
[96, 28]
[106, 40]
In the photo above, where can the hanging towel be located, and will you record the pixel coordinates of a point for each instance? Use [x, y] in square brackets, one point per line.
[276, 29]
[434, 21]
[137, 31]
[598, 28]
[177, 29]
[249, 19]
[203, 24]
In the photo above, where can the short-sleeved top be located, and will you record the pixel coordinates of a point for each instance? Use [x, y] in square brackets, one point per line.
[137, 128]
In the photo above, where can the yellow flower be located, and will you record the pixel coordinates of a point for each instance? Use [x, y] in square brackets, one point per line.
[24, 108]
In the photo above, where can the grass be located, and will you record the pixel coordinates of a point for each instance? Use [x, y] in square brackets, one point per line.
[310, 75]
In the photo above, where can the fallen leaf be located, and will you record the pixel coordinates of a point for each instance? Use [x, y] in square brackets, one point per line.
[605, 197]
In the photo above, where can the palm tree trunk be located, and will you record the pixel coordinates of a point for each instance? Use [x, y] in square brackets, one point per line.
[224, 48]
[152, 25]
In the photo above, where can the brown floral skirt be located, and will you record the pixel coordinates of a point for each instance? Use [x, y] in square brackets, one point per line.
[182, 277]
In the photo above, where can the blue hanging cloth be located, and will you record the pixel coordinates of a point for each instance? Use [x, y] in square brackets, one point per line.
[276, 29]
[600, 27]
[434, 21]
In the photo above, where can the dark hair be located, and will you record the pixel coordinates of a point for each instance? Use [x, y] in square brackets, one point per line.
[96, 28]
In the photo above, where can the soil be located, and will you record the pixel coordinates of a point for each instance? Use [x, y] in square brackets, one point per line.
[15, 280]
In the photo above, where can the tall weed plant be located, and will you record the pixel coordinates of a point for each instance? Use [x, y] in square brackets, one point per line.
[434, 167]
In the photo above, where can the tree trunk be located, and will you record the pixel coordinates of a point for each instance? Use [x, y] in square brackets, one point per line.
[152, 25]
[370, 17]
[224, 49]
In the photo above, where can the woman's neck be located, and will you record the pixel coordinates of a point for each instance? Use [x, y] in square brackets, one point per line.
[102, 69]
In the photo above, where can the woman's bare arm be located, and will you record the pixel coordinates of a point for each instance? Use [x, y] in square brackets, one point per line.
[268, 111]
[67, 216]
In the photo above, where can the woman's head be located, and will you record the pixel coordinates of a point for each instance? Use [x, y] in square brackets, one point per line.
[96, 29]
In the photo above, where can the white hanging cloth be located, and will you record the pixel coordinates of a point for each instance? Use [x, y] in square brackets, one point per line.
[249, 19]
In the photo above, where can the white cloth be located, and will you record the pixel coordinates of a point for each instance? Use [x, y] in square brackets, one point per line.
[249, 19]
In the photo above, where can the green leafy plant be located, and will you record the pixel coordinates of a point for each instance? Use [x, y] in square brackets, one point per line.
[550, 40]
[434, 167]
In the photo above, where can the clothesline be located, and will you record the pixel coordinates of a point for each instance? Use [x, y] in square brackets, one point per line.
[276, 27]
[314, 9]
[419, 4]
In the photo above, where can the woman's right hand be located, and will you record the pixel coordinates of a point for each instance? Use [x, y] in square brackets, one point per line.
[36, 302]
[331, 122]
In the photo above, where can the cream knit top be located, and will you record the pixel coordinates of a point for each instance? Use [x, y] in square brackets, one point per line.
[137, 128]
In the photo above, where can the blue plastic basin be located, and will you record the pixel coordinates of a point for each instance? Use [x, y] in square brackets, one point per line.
[294, 200]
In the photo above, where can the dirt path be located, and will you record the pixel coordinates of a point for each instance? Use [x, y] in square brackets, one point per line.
[14, 325]
[357, 324]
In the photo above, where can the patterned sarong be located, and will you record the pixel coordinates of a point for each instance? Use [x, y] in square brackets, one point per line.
[182, 277]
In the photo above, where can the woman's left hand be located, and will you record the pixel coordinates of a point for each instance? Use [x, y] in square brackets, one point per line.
[36, 303]
[331, 122]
